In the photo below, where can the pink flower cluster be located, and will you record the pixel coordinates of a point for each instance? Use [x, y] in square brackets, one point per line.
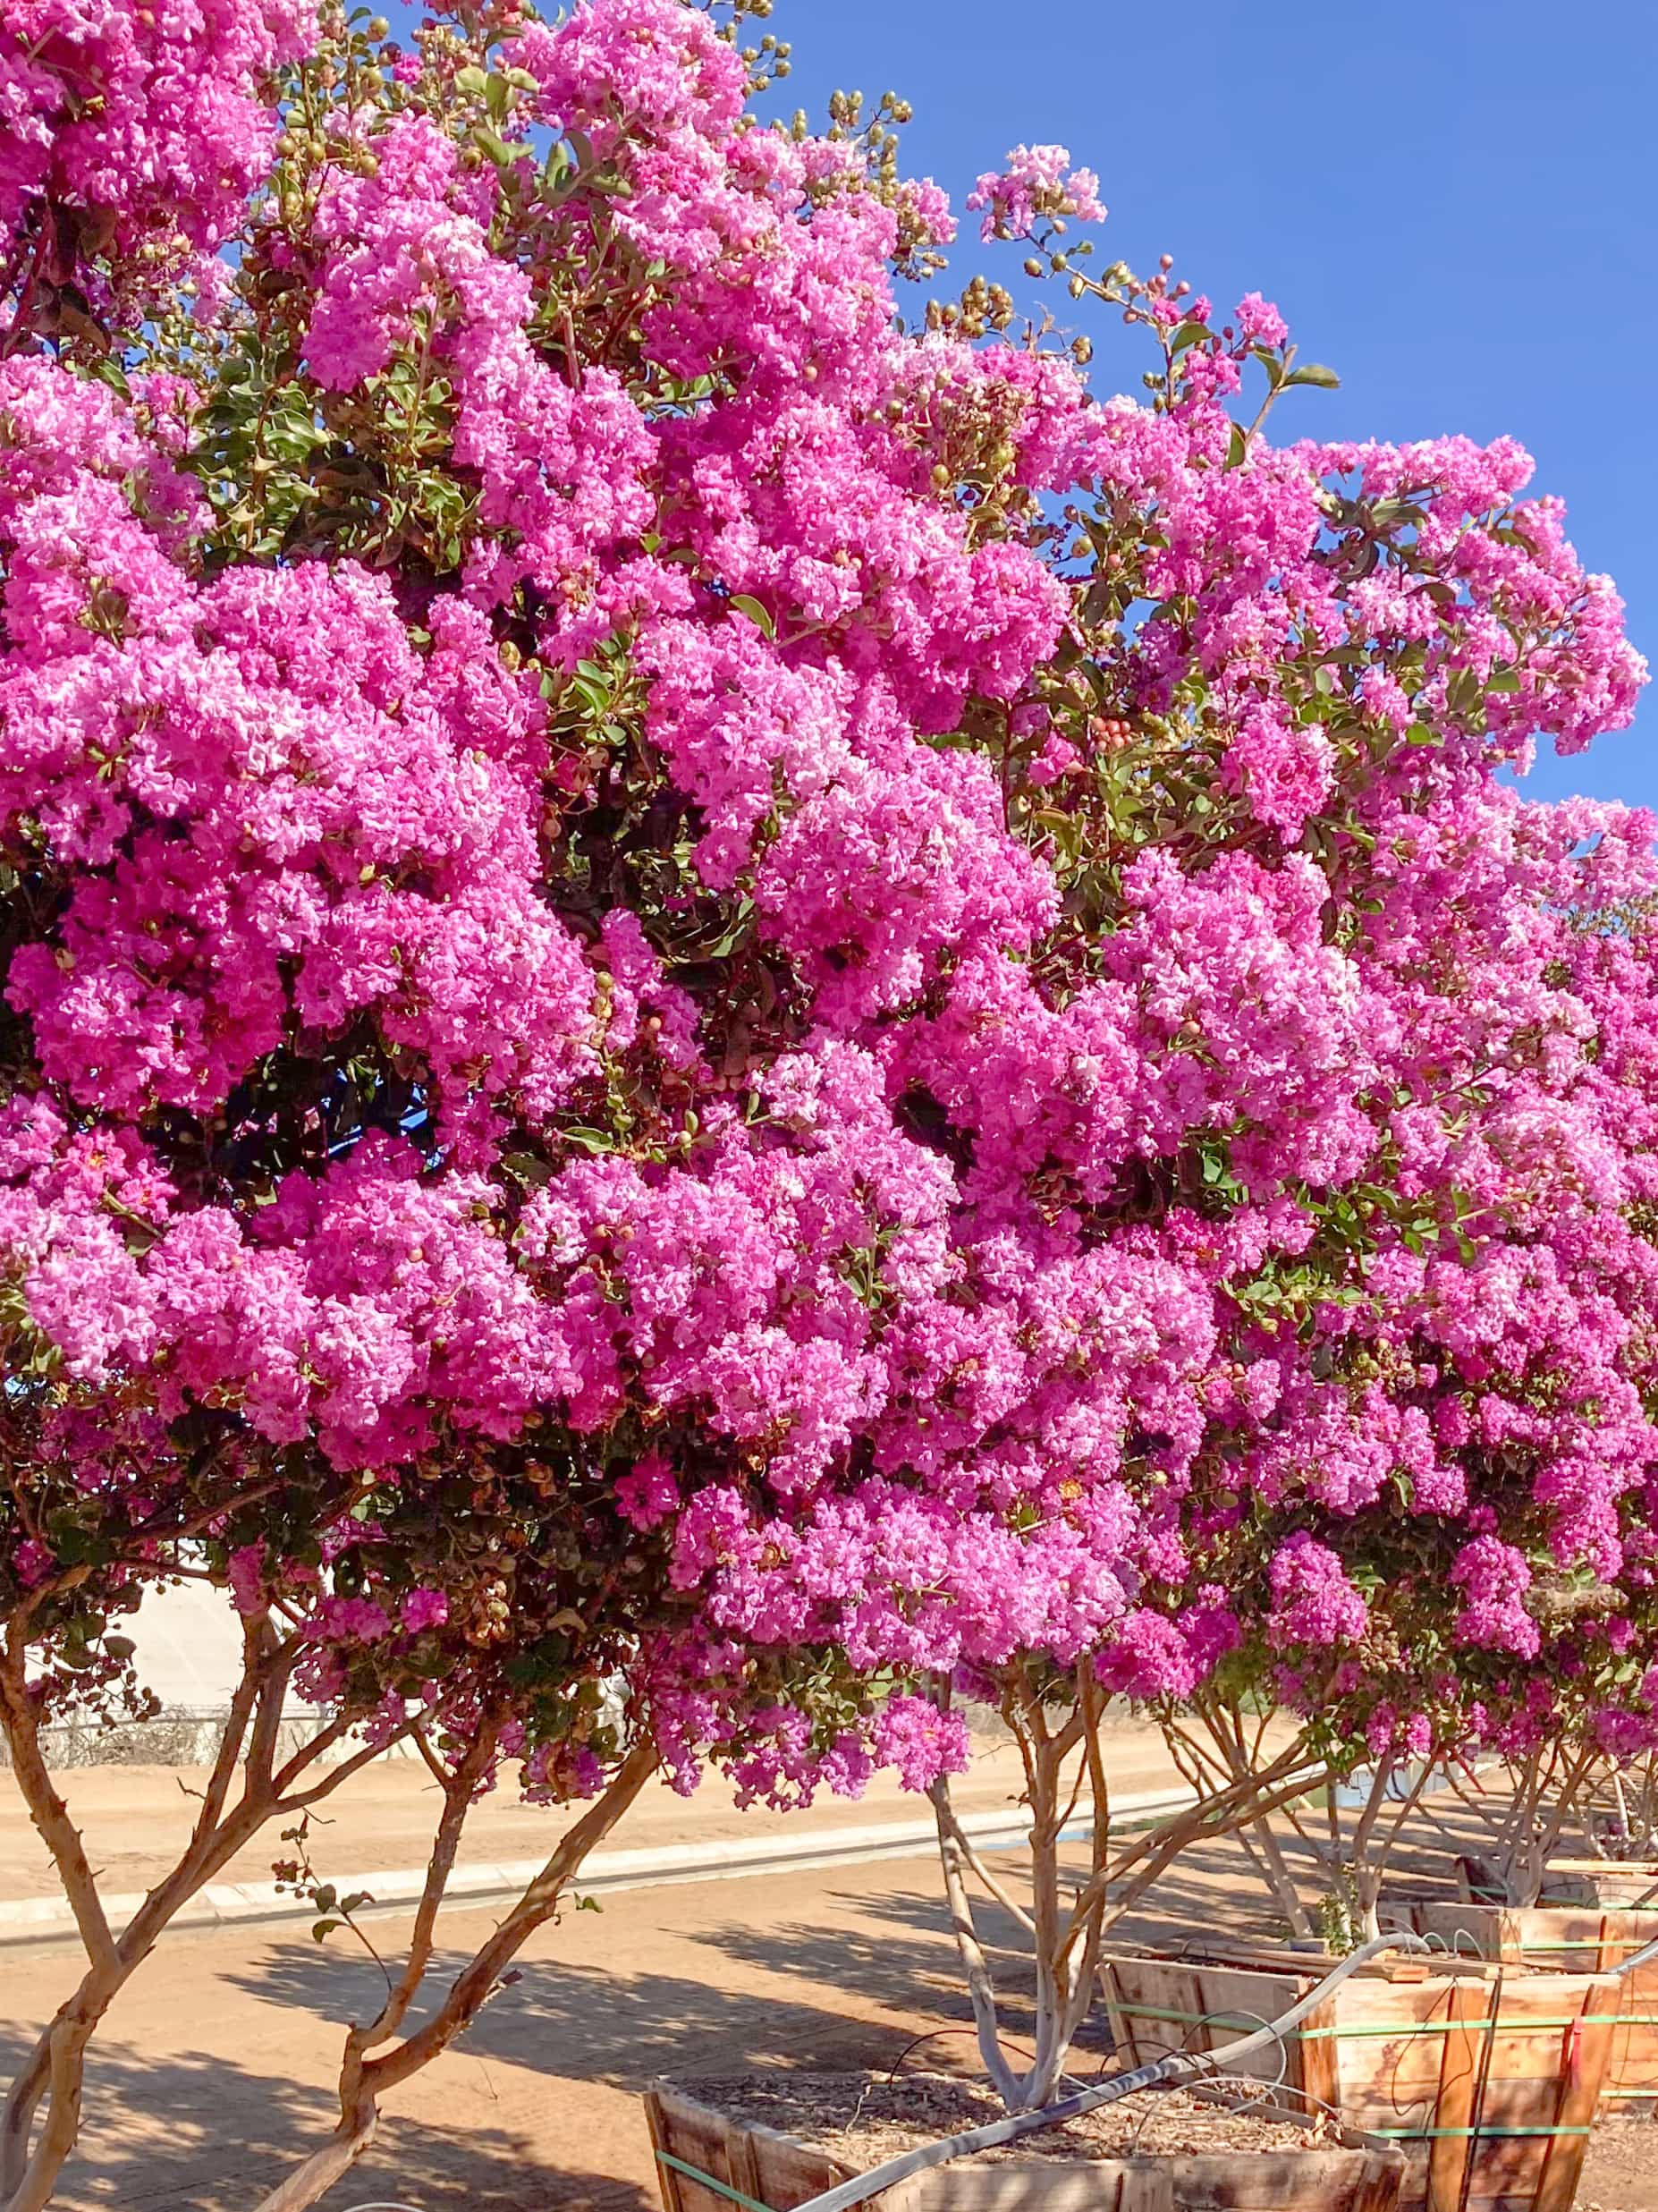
[1037, 184]
[910, 1124]
[130, 135]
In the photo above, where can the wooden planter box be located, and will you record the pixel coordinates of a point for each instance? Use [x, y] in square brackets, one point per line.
[1580, 1939]
[710, 2162]
[1489, 2083]
[1626, 1882]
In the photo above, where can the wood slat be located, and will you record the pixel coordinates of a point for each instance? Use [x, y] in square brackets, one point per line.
[1418, 2058]
[1503, 2103]
[1051, 2185]
[772, 2168]
[1559, 1938]
[1448, 2153]
[780, 2173]
[790, 2173]
[1584, 2057]
[1522, 1937]
[1319, 2062]
[701, 2141]
[1312, 2181]
[661, 2132]
[1336, 2180]
[1138, 1989]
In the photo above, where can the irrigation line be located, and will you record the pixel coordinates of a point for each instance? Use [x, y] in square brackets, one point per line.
[1635, 1958]
[1182, 2066]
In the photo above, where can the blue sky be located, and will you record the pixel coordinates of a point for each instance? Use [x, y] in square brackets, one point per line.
[1451, 200]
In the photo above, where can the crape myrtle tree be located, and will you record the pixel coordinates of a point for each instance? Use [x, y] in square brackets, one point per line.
[506, 656]
[475, 654]
[1493, 1599]
[716, 1005]
[1360, 1042]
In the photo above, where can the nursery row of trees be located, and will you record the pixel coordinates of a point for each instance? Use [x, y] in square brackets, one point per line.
[725, 1019]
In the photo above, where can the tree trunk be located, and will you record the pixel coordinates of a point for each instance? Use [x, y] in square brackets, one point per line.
[975, 1966]
[315, 2177]
[364, 2080]
[1274, 1870]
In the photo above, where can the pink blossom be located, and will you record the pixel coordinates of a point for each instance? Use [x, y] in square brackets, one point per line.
[1313, 1600]
[421, 1609]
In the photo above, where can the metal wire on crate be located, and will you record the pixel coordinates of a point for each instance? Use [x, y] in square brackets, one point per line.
[1231, 2016]
[1254, 2092]
[965, 2027]
[938, 2035]
[1461, 1943]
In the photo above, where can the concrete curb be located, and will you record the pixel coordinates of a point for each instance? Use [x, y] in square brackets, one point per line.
[223, 1904]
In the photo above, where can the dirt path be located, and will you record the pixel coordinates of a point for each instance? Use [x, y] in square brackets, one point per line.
[134, 1819]
[215, 2072]
[540, 2107]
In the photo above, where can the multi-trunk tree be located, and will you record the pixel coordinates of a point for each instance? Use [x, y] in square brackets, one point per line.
[716, 1005]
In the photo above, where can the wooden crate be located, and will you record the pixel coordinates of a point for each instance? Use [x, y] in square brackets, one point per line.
[1626, 1882]
[1581, 1939]
[709, 2163]
[1488, 2081]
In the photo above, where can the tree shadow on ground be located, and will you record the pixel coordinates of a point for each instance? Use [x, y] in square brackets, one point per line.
[892, 1949]
[196, 2132]
[576, 2022]
[759, 2002]
[901, 1952]
[156, 2130]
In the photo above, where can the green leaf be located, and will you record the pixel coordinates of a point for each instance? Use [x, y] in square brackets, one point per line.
[589, 1139]
[498, 149]
[1188, 334]
[746, 604]
[472, 78]
[1238, 451]
[1316, 372]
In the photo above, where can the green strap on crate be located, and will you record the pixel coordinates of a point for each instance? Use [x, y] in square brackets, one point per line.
[706, 2180]
[1557, 1943]
[1428, 2135]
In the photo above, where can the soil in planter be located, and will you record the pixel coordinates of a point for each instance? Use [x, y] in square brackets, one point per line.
[863, 2118]
[1620, 2173]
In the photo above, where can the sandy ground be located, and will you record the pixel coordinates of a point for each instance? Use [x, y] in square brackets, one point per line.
[135, 1818]
[213, 2072]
